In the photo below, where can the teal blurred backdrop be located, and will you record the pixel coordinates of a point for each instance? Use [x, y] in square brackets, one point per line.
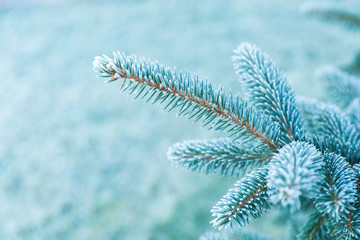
[78, 160]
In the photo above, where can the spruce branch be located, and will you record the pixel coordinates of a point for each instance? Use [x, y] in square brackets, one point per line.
[341, 87]
[268, 90]
[194, 98]
[293, 172]
[230, 157]
[337, 124]
[334, 145]
[331, 130]
[321, 165]
[327, 120]
[353, 111]
[246, 201]
[354, 66]
[309, 110]
[334, 13]
[314, 228]
[356, 168]
[348, 226]
[337, 191]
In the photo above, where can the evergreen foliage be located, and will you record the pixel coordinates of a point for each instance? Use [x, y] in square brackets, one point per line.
[347, 226]
[193, 97]
[333, 123]
[330, 129]
[353, 111]
[231, 158]
[303, 155]
[334, 12]
[246, 201]
[268, 89]
[341, 87]
[336, 192]
[340, 12]
[293, 172]
[314, 228]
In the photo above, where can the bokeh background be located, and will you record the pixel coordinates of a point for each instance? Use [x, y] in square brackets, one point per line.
[78, 160]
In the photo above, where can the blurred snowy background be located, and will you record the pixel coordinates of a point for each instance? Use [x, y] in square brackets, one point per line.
[78, 160]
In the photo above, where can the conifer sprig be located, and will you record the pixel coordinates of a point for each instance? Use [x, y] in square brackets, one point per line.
[341, 87]
[334, 145]
[337, 124]
[231, 158]
[330, 129]
[193, 97]
[334, 13]
[327, 120]
[246, 201]
[356, 169]
[316, 162]
[314, 228]
[268, 90]
[309, 109]
[348, 226]
[353, 111]
[337, 190]
[293, 172]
